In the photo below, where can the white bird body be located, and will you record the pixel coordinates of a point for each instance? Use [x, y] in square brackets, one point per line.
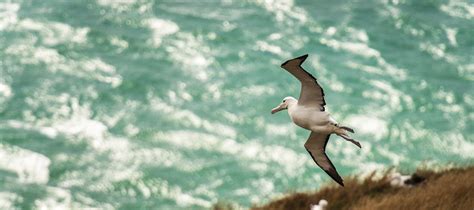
[309, 113]
[311, 118]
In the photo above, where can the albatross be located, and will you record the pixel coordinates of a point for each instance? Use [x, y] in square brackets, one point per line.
[309, 113]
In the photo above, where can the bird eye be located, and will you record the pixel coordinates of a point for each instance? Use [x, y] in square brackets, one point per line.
[284, 101]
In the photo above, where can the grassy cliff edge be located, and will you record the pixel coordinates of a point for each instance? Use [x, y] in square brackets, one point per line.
[444, 189]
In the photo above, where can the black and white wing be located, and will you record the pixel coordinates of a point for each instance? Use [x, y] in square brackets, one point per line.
[316, 146]
[311, 92]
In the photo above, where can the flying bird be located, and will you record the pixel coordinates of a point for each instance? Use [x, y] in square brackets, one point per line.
[309, 113]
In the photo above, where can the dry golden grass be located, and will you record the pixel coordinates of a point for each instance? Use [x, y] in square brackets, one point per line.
[448, 189]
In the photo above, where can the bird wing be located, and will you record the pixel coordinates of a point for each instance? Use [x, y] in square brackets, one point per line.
[311, 92]
[316, 146]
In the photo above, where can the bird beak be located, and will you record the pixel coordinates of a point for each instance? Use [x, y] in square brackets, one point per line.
[278, 108]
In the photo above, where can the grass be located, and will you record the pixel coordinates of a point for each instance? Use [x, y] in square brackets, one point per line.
[445, 189]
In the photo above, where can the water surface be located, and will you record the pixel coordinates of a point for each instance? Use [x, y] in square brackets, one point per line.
[135, 104]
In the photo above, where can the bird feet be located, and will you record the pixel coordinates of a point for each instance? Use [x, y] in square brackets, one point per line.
[347, 129]
[356, 143]
[347, 138]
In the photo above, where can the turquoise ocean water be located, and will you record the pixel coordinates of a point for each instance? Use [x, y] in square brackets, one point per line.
[149, 104]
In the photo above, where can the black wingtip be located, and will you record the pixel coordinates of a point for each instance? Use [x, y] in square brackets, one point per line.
[300, 60]
[335, 176]
[338, 179]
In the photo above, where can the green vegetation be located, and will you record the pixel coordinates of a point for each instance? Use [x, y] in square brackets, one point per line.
[444, 189]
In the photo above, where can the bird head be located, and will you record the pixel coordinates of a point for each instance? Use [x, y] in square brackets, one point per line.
[284, 105]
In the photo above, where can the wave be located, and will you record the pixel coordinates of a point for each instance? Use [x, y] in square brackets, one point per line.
[29, 166]
[8, 14]
[95, 68]
[160, 29]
